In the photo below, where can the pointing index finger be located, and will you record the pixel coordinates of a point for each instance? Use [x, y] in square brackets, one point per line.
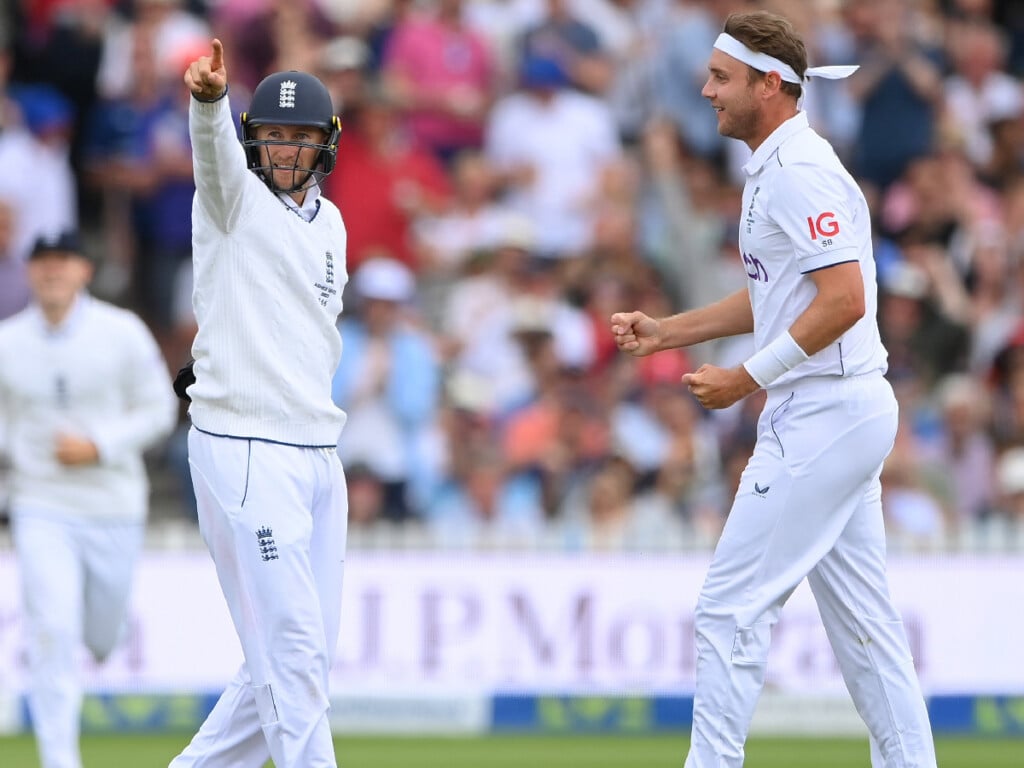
[217, 61]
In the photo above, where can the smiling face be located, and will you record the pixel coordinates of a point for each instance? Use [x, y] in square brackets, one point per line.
[291, 163]
[730, 88]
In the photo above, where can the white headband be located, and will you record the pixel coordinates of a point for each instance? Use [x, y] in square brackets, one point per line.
[765, 63]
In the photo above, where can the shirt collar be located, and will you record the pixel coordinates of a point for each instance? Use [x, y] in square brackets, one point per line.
[310, 204]
[775, 139]
[71, 319]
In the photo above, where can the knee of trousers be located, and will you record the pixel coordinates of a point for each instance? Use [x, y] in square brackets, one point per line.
[297, 693]
[51, 643]
[720, 633]
[878, 644]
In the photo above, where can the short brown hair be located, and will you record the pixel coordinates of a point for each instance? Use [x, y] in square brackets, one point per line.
[774, 35]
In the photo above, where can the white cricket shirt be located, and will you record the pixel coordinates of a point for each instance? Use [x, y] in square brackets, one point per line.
[802, 211]
[267, 294]
[98, 375]
[568, 141]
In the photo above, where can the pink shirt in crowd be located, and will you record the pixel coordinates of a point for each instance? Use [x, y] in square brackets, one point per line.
[437, 58]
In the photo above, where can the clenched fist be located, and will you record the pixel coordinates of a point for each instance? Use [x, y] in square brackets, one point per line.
[636, 333]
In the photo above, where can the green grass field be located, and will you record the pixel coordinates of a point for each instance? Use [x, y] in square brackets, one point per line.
[534, 752]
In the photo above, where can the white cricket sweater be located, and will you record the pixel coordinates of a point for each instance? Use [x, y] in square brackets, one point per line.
[98, 375]
[267, 294]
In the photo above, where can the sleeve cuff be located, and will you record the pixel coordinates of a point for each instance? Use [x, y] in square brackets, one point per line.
[212, 101]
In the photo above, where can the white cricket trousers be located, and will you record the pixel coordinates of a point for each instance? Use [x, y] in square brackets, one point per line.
[76, 579]
[809, 505]
[275, 519]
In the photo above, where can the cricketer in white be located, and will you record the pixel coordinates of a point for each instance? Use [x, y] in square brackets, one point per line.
[83, 392]
[269, 258]
[808, 503]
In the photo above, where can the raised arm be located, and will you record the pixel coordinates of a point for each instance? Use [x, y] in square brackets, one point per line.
[218, 159]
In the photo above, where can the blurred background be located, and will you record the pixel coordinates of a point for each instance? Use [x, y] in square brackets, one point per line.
[531, 512]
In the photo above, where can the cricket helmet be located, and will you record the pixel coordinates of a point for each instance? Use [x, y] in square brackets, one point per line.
[291, 98]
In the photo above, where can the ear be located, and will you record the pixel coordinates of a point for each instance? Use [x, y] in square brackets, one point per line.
[771, 83]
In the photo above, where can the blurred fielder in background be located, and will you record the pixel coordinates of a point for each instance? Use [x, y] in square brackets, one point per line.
[809, 500]
[269, 259]
[83, 392]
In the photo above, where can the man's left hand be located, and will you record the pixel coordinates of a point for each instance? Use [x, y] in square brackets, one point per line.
[716, 387]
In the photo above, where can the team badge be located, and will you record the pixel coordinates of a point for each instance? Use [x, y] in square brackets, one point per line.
[286, 96]
[268, 549]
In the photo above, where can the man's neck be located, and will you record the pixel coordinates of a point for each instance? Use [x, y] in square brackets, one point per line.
[770, 124]
[56, 314]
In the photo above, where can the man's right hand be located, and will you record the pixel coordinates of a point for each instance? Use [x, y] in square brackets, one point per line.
[636, 333]
[206, 77]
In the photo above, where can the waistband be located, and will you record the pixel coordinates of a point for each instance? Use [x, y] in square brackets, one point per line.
[838, 387]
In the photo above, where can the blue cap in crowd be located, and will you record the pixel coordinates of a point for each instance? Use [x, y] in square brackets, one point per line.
[542, 72]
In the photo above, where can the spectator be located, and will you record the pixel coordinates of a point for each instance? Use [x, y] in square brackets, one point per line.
[979, 92]
[565, 37]
[688, 211]
[913, 514]
[1006, 165]
[138, 157]
[922, 340]
[472, 223]
[343, 63]
[467, 229]
[609, 516]
[629, 32]
[367, 496]
[442, 77]
[388, 382]
[512, 291]
[61, 46]
[680, 71]
[550, 145]
[899, 88]
[558, 437]
[616, 251]
[383, 184]
[995, 294]
[487, 285]
[24, 219]
[155, 28]
[503, 23]
[481, 504]
[465, 427]
[664, 437]
[967, 452]
[1007, 378]
[270, 35]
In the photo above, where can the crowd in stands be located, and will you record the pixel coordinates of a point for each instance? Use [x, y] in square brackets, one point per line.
[513, 171]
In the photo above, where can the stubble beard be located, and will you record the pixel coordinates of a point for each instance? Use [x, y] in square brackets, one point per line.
[743, 124]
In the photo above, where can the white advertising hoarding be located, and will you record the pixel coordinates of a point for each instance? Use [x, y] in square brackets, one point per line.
[422, 624]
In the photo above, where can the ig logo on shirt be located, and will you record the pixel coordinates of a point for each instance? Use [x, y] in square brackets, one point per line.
[825, 225]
